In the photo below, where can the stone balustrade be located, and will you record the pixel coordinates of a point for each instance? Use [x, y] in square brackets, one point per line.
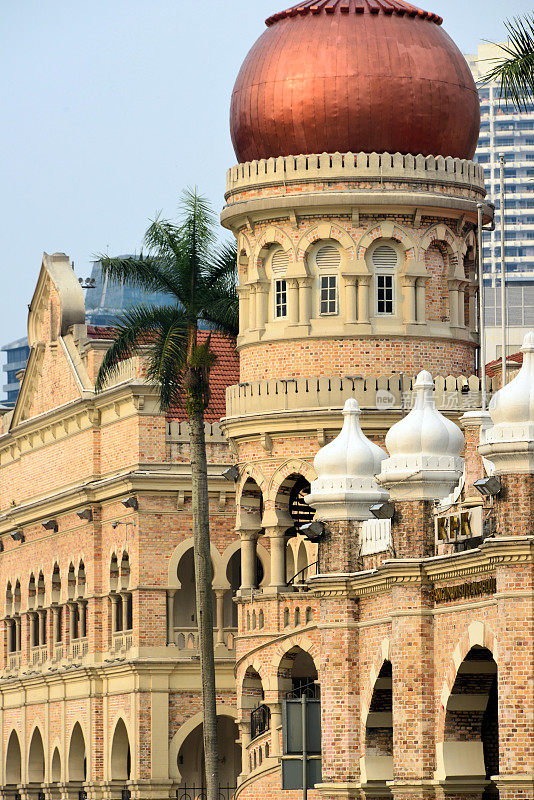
[455, 394]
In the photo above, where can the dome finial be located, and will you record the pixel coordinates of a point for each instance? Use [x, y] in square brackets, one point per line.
[345, 487]
[425, 450]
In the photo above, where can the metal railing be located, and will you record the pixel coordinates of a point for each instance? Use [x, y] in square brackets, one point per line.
[199, 793]
[260, 720]
[307, 572]
[309, 689]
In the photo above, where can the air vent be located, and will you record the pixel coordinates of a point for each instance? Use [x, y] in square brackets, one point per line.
[328, 257]
[384, 257]
[279, 261]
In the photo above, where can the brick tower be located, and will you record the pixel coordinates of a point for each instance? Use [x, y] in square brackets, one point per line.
[354, 205]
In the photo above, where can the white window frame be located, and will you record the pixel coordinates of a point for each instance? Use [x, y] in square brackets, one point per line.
[386, 272]
[328, 277]
[328, 273]
[282, 290]
[278, 276]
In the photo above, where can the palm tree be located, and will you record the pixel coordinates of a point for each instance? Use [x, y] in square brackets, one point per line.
[515, 70]
[199, 276]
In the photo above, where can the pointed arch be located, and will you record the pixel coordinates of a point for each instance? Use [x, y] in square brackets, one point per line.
[441, 235]
[254, 473]
[13, 760]
[55, 771]
[272, 235]
[120, 758]
[36, 758]
[77, 762]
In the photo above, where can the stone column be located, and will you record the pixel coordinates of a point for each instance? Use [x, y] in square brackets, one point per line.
[124, 599]
[248, 561]
[55, 624]
[420, 300]
[243, 308]
[473, 308]
[82, 610]
[293, 301]
[351, 311]
[18, 626]
[364, 283]
[277, 537]
[219, 594]
[72, 621]
[31, 622]
[305, 310]
[114, 602]
[42, 628]
[276, 725]
[170, 616]
[453, 303]
[461, 305]
[410, 314]
[262, 292]
[244, 730]
[252, 307]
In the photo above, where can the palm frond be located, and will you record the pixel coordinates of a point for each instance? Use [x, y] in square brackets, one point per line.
[514, 72]
[148, 272]
[135, 328]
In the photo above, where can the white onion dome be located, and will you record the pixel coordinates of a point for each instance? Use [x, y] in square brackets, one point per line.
[425, 449]
[509, 443]
[345, 487]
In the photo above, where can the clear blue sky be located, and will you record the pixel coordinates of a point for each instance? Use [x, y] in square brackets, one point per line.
[111, 107]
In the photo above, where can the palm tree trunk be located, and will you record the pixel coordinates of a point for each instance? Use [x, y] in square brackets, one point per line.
[203, 572]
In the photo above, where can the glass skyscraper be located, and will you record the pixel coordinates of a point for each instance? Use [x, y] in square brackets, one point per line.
[507, 130]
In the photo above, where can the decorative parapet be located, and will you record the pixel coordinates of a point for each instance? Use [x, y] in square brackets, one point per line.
[178, 432]
[355, 166]
[455, 394]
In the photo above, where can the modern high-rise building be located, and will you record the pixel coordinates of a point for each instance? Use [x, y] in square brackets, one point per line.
[17, 353]
[508, 130]
[107, 299]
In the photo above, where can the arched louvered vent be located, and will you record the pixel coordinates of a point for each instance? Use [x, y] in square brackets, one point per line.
[384, 257]
[279, 261]
[328, 257]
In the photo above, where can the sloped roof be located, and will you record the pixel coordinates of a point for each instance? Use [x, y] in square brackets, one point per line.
[224, 373]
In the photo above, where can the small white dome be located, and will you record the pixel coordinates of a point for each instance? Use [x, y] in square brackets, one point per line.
[345, 487]
[509, 444]
[425, 450]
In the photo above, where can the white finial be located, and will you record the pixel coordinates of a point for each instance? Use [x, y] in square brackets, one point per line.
[509, 444]
[425, 450]
[345, 487]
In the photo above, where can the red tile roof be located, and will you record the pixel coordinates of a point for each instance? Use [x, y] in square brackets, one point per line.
[493, 367]
[224, 373]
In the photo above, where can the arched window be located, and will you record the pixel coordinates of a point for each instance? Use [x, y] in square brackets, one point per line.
[279, 263]
[385, 260]
[328, 261]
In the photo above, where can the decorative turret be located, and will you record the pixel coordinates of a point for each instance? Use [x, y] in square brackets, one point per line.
[346, 467]
[424, 465]
[425, 449]
[509, 443]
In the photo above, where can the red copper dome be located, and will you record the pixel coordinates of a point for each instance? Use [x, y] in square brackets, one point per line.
[354, 75]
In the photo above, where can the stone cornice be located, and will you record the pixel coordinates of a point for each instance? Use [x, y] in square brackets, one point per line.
[472, 563]
[168, 478]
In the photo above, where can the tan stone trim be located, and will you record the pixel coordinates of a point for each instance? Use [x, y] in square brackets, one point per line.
[274, 639]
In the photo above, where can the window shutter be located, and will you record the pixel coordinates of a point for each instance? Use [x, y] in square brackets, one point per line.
[328, 257]
[280, 261]
[384, 257]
